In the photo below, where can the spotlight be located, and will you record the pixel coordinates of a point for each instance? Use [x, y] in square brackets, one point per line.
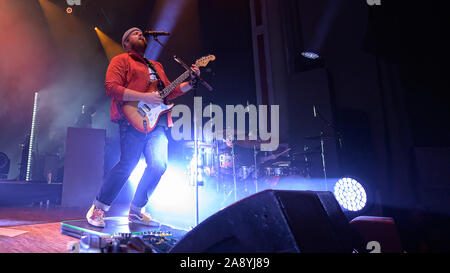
[137, 173]
[310, 55]
[69, 10]
[308, 60]
[350, 194]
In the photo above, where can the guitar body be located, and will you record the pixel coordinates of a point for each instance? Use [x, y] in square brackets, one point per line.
[144, 117]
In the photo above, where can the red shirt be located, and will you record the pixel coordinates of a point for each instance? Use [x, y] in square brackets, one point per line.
[129, 70]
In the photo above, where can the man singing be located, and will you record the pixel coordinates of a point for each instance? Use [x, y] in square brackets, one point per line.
[131, 77]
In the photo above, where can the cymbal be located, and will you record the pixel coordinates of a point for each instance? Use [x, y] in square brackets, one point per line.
[247, 143]
[306, 153]
[319, 137]
[191, 144]
[273, 156]
[282, 163]
[224, 132]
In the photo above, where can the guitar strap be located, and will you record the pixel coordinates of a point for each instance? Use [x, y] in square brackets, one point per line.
[163, 118]
[161, 85]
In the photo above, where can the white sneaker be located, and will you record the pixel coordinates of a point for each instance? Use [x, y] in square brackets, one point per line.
[96, 217]
[142, 218]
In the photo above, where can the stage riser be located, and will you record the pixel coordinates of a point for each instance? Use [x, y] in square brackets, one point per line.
[19, 193]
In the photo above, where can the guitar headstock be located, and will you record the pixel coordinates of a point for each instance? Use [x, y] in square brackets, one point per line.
[203, 61]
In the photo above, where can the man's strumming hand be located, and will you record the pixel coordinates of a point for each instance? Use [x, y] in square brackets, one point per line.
[152, 98]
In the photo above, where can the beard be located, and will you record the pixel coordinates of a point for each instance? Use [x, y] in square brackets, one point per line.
[139, 45]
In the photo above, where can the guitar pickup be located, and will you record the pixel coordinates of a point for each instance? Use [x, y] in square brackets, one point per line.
[146, 107]
[141, 112]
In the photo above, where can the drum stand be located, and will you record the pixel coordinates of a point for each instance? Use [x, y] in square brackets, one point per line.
[255, 175]
[317, 114]
[322, 153]
[234, 190]
[196, 165]
[205, 84]
[234, 172]
[216, 164]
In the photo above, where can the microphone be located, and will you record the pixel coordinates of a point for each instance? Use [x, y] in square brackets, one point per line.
[155, 33]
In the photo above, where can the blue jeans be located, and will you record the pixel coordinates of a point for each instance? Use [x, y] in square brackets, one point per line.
[154, 145]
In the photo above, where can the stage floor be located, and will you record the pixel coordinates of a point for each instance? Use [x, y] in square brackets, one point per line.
[38, 229]
[162, 237]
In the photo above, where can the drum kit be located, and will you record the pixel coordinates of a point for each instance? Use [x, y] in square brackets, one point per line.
[236, 163]
[239, 167]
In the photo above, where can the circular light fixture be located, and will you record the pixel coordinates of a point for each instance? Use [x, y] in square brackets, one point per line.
[69, 10]
[350, 194]
[310, 55]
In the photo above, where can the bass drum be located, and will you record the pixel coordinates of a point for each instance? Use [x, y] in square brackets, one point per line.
[275, 171]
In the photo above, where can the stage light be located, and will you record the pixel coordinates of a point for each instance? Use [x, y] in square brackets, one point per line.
[32, 136]
[64, 28]
[308, 60]
[165, 16]
[69, 10]
[165, 197]
[111, 47]
[310, 55]
[350, 194]
[137, 173]
[173, 194]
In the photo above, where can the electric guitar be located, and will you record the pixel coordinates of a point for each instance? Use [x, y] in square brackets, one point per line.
[144, 117]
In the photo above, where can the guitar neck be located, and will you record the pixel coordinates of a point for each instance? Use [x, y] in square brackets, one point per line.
[166, 91]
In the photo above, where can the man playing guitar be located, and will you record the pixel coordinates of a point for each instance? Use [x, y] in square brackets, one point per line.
[131, 77]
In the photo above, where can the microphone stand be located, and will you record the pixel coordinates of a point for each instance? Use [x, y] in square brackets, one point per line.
[316, 114]
[183, 64]
[205, 84]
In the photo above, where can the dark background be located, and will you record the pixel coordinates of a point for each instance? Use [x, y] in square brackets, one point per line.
[387, 65]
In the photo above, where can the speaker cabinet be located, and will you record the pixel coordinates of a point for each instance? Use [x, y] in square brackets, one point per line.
[83, 166]
[273, 221]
